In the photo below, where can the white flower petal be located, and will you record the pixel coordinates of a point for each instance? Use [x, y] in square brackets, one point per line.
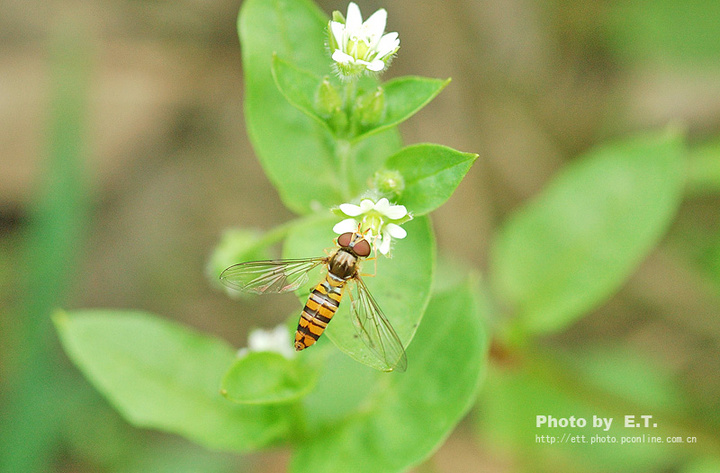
[366, 205]
[353, 22]
[341, 57]
[375, 25]
[385, 245]
[395, 231]
[364, 63]
[338, 29]
[387, 45]
[396, 212]
[275, 340]
[376, 66]
[382, 205]
[347, 225]
[351, 210]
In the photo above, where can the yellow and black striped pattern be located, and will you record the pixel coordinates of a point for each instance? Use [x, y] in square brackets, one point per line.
[319, 310]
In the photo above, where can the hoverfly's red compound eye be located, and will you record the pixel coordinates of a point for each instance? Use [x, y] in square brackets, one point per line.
[345, 239]
[362, 248]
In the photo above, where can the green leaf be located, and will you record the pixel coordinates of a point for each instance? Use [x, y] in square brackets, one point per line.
[161, 375]
[573, 245]
[406, 416]
[297, 153]
[266, 378]
[298, 86]
[404, 97]
[431, 173]
[401, 285]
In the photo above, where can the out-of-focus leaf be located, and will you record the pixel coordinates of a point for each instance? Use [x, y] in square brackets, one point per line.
[574, 244]
[623, 373]
[174, 456]
[702, 465]
[513, 398]
[663, 30]
[404, 417]
[161, 375]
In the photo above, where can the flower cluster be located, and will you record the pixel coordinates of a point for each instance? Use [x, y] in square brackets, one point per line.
[359, 46]
[379, 220]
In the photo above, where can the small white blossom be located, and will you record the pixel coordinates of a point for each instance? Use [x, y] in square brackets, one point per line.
[359, 46]
[378, 220]
[277, 340]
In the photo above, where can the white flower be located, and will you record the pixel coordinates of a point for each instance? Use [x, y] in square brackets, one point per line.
[359, 46]
[378, 220]
[277, 340]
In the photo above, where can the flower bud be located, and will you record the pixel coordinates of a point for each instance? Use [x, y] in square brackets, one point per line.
[327, 99]
[371, 108]
[338, 121]
[388, 182]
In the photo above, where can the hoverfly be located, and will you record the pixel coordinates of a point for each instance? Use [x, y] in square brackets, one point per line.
[279, 276]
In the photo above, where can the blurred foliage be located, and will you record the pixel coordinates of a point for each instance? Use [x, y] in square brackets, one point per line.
[53, 240]
[665, 30]
[635, 343]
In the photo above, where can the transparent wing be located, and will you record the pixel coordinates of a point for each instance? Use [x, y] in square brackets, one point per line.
[277, 276]
[375, 330]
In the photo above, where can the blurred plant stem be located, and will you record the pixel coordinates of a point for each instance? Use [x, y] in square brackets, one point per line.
[58, 223]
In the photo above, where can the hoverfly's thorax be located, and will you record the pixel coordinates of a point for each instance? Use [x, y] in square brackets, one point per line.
[343, 264]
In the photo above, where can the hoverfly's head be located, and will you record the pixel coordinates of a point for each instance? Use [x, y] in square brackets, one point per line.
[356, 243]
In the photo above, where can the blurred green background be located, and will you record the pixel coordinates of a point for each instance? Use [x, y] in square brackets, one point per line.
[123, 157]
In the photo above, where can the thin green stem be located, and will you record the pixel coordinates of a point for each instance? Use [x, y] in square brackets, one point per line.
[343, 150]
[344, 147]
[350, 93]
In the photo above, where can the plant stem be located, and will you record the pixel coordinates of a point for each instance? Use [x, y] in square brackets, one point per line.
[344, 147]
[343, 150]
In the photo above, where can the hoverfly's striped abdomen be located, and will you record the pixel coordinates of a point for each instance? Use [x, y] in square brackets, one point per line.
[319, 310]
